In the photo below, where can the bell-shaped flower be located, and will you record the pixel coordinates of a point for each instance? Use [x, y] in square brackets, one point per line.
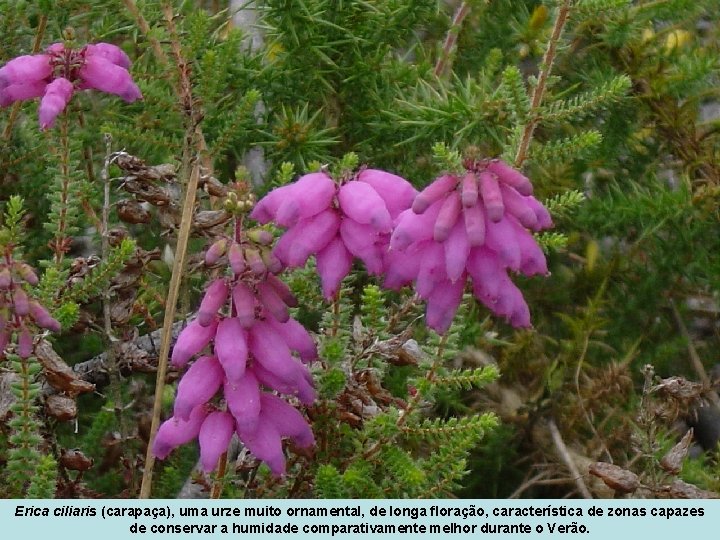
[198, 385]
[174, 431]
[214, 438]
[193, 339]
[231, 348]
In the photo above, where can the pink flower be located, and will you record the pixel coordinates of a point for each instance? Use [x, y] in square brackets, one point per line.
[174, 432]
[193, 339]
[215, 297]
[57, 96]
[214, 437]
[470, 227]
[243, 400]
[57, 73]
[199, 384]
[336, 223]
[231, 348]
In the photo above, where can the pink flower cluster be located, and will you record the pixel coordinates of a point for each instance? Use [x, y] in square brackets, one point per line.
[17, 309]
[471, 226]
[257, 348]
[336, 223]
[57, 73]
[458, 227]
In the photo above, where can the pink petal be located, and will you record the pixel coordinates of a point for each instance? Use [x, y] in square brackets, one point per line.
[412, 228]
[296, 337]
[236, 259]
[25, 343]
[215, 251]
[57, 96]
[269, 349]
[312, 194]
[243, 400]
[231, 348]
[442, 304]
[193, 339]
[265, 444]
[511, 177]
[397, 192]
[516, 205]
[42, 318]
[474, 225]
[103, 75]
[20, 92]
[109, 52]
[174, 432]
[25, 70]
[282, 289]
[214, 438]
[287, 419]
[401, 268]
[543, 216]
[487, 273]
[457, 249]
[432, 268]
[448, 216]
[215, 297]
[469, 190]
[267, 207]
[492, 196]
[434, 192]
[333, 264]
[313, 235]
[500, 237]
[199, 384]
[272, 302]
[532, 258]
[360, 202]
[244, 304]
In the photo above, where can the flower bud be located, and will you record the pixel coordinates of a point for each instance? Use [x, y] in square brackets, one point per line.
[20, 302]
[435, 191]
[27, 273]
[215, 251]
[236, 259]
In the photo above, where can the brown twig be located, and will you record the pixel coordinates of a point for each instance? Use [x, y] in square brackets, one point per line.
[695, 360]
[444, 61]
[539, 91]
[194, 141]
[218, 484]
[145, 29]
[567, 459]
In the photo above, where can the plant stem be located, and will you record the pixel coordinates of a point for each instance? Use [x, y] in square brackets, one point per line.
[218, 484]
[145, 29]
[193, 145]
[539, 91]
[444, 61]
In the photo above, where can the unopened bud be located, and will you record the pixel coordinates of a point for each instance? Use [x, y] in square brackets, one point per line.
[254, 261]
[215, 251]
[236, 259]
[20, 301]
[260, 236]
[5, 278]
[27, 273]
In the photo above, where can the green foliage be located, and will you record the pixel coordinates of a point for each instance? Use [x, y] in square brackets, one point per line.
[24, 459]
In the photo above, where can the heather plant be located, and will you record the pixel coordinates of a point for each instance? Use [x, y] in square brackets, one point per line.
[296, 255]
